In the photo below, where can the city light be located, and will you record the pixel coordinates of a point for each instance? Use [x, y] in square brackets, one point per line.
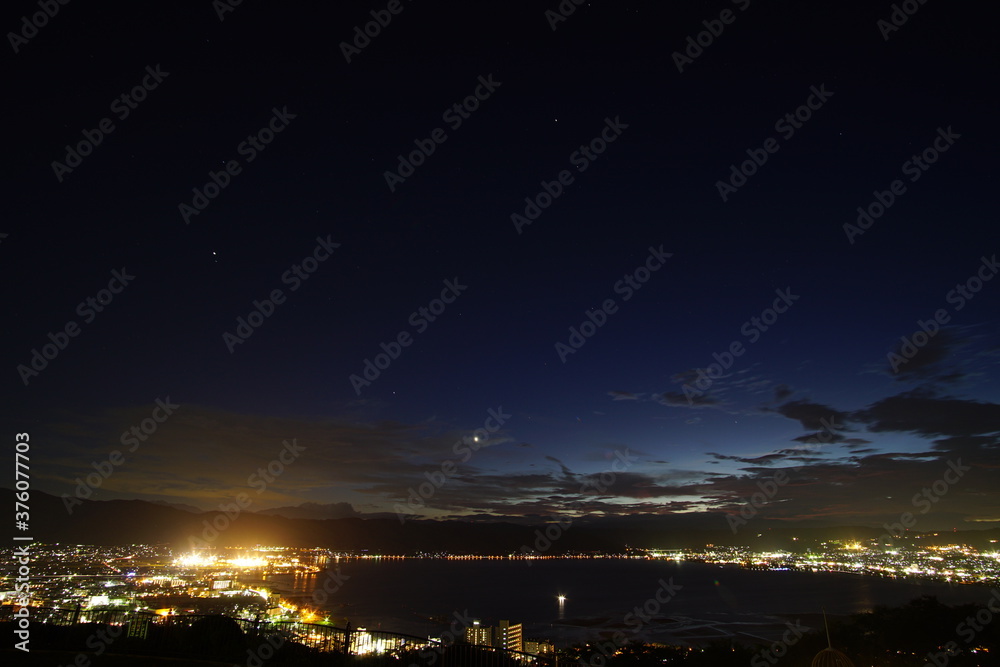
[195, 560]
[238, 581]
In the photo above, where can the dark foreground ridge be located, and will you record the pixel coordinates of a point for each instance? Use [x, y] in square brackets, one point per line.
[919, 633]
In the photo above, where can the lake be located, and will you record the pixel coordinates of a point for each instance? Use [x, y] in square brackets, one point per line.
[422, 596]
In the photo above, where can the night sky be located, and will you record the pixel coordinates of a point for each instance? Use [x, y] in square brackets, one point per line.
[636, 145]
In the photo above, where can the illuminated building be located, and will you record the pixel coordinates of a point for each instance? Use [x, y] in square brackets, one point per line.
[508, 636]
[479, 634]
[538, 647]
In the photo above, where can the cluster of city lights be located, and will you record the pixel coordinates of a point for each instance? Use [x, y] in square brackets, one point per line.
[198, 560]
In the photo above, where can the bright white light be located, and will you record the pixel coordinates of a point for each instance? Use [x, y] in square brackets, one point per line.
[194, 560]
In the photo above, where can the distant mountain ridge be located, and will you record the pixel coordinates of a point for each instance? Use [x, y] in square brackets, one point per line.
[180, 506]
[319, 511]
[141, 522]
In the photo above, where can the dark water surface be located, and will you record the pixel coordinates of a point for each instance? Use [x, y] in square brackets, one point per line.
[421, 597]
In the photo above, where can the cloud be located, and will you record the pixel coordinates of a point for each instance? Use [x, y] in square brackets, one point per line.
[765, 459]
[206, 456]
[927, 415]
[689, 376]
[926, 361]
[567, 473]
[781, 392]
[812, 416]
[674, 398]
[820, 437]
[862, 484]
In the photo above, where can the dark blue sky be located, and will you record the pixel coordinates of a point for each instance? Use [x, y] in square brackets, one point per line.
[875, 103]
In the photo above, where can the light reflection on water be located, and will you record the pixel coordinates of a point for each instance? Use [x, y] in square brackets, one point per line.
[421, 596]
